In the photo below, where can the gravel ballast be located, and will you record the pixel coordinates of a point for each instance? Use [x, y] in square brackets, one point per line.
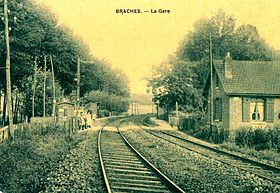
[193, 172]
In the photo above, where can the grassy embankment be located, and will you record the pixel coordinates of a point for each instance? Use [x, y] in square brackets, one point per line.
[31, 163]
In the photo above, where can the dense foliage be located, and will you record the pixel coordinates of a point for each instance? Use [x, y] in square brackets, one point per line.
[244, 42]
[25, 164]
[35, 33]
[80, 171]
[27, 95]
[173, 83]
[106, 101]
[182, 78]
[98, 75]
[258, 139]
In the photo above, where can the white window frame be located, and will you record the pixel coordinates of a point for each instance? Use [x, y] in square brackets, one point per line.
[257, 106]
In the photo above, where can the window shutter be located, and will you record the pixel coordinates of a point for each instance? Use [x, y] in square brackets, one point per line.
[220, 110]
[269, 110]
[245, 109]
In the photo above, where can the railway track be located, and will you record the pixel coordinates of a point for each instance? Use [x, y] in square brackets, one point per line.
[259, 169]
[124, 169]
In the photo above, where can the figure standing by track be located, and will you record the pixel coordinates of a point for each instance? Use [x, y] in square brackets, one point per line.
[82, 121]
[89, 119]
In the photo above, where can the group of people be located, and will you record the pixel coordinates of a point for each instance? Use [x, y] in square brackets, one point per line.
[86, 119]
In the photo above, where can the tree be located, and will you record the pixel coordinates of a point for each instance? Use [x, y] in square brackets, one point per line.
[39, 94]
[249, 45]
[107, 101]
[174, 82]
[103, 78]
[244, 43]
[37, 33]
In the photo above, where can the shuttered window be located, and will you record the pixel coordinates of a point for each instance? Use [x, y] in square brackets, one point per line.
[246, 109]
[269, 110]
[257, 109]
[218, 109]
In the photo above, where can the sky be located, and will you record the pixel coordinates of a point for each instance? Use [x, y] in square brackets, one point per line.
[136, 42]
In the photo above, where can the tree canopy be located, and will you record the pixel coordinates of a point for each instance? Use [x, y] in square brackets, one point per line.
[98, 75]
[107, 101]
[244, 42]
[183, 78]
[35, 33]
[173, 82]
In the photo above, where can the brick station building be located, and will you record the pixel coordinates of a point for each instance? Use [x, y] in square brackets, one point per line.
[245, 94]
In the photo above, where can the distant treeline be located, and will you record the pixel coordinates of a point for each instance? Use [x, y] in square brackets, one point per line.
[36, 33]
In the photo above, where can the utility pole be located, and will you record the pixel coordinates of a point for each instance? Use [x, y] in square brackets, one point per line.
[78, 81]
[8, 75]
[177, 108]
[44, 86]
[34, 87]
[211, 85]
[53, 89]
[132, 108]
[157, 103]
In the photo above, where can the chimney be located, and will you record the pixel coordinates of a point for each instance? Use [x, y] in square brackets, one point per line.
[228, 66]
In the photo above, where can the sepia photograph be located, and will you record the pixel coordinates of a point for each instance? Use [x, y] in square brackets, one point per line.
[139, 96]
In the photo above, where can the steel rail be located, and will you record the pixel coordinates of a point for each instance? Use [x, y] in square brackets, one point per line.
[235, 157]
[261, 164]
[104, 174]
[170, 183]
[165, 180]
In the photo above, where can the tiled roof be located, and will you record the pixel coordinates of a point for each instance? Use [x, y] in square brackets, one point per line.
[251, 77]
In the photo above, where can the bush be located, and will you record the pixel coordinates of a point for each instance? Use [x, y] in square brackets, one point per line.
[202, 131]
[147, 120]
[163, 116]
[200, 128]
[103, 113]
[259, 139]
[242, 136]
[274, 138]
[24, 165]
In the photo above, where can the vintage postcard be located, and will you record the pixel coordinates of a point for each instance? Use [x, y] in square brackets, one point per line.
[140, 96]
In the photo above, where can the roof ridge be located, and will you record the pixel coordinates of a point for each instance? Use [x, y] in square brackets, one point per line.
[257, 77]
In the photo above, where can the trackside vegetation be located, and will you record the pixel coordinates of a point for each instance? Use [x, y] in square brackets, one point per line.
[259, 139]
[80, 170]
[195, 173]
[25, 164]
[37, 38]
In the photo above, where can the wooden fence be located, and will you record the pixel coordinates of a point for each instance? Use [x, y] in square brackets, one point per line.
[70, 125]
[216, 133]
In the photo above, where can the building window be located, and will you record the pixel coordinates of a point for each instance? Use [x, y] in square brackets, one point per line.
[257, 110]
[65, 112]
[218, 109]
[217, 83]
